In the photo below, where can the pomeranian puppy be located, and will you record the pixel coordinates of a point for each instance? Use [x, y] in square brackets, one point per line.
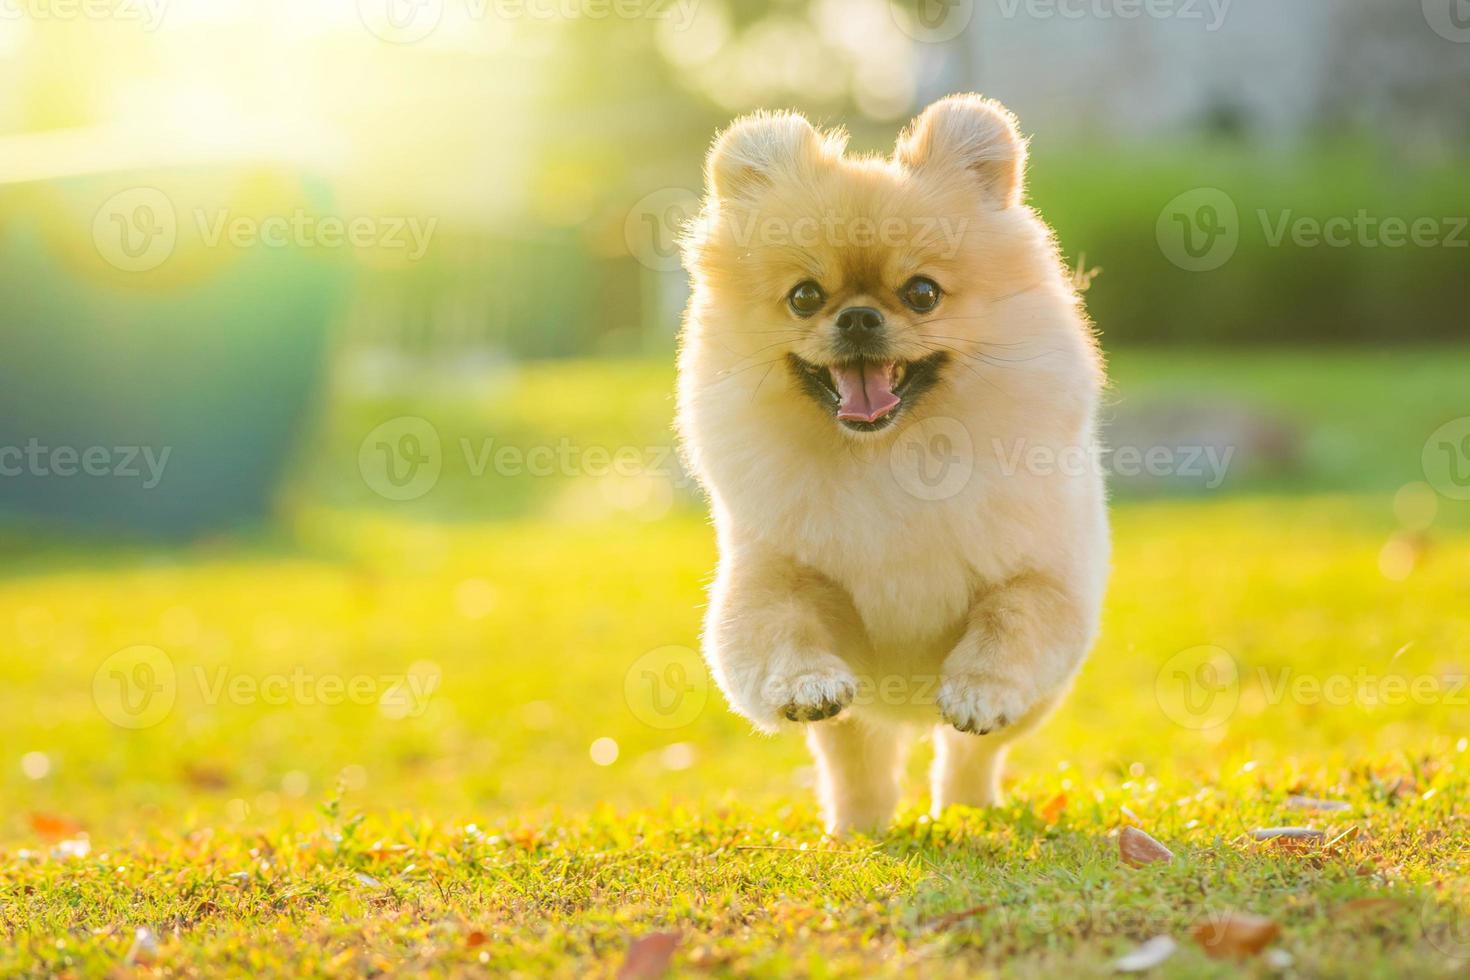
[888, 389]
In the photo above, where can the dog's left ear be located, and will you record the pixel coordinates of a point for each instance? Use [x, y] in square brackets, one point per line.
[970, 135]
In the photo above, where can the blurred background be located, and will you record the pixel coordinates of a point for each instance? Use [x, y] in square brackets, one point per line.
[337, 337]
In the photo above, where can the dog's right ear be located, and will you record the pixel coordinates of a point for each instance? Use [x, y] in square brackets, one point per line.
[747, 157]
[970, 137]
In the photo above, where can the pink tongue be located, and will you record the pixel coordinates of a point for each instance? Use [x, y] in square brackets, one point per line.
[866, 391]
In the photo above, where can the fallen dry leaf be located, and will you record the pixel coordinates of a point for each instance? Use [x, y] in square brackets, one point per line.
[1366, 910]
[1137, 848]
[955, 918]
[648, 956]
[1147, 956]
[476, 938]
[1052, 812]
[1235, 935]
[1305, 834]
[54, 827]
[203, 775]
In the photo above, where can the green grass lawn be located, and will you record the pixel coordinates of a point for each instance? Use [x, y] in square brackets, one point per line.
[386, 742]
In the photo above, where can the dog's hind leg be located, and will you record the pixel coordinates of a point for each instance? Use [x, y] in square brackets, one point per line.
[966, 768]
[859, 768]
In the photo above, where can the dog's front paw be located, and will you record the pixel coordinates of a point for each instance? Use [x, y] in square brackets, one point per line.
[812, 691]
[980, 703]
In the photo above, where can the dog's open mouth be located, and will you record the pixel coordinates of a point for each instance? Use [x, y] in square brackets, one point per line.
[867, 395]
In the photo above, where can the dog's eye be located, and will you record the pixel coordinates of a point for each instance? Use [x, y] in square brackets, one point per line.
[806, 298]
[921, 294]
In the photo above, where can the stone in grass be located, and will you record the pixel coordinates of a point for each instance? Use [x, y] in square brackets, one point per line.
[1233, 935]
[1137, 848]
[1312, 803]
[144, 949]
[1147, 956]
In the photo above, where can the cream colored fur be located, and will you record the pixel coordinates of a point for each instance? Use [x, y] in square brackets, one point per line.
[841, 581]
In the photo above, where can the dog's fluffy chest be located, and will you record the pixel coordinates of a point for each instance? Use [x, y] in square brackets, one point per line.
[911, 566]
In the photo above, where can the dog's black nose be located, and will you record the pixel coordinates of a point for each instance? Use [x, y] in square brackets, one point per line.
[859, 321]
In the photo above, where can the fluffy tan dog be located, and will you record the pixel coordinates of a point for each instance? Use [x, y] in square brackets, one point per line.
[888, 389]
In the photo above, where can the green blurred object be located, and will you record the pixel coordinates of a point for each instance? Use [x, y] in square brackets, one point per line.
[1314, 247]
[157, 367]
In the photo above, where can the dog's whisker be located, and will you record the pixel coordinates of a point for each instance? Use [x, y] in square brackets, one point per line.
[969, 347]
[980, 354]
[727, 375]
[992, 359]
[956, 318]
[762, 381]
[1021, 360]
[964, 362]
[971, 340]
[753, 353]
[964, 357]
[972, 355]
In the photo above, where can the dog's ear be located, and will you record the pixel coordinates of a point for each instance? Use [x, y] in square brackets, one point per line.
[754, 149]
[969, 134]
